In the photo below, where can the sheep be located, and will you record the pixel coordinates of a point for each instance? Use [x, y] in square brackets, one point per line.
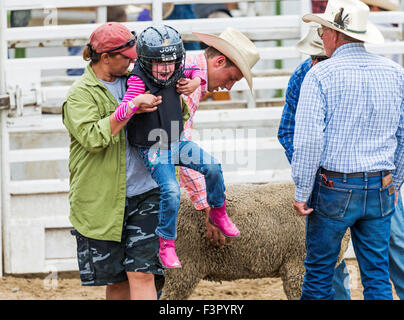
[271, 244]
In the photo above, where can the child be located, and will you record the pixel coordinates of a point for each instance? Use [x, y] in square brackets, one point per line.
[157, 135]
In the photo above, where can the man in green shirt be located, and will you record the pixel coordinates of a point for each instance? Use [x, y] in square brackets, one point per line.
[113, 199]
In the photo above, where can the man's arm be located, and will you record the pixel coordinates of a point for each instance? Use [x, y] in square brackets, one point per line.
[309, 137]
[287, 125]
[81, 117]
[398, 174]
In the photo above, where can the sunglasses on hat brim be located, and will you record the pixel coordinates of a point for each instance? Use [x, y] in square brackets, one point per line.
[130, 43]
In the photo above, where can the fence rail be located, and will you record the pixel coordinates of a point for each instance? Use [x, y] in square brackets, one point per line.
[41, 4]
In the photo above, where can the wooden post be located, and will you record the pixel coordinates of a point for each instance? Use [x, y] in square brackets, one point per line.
[3, 144]
[157, 12]
[278, 63]
[3, 58]
[1, 190]
[101, 14]
[305, 7]
[402, 30]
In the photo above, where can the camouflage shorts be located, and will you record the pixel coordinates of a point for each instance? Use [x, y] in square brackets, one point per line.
[106, 262]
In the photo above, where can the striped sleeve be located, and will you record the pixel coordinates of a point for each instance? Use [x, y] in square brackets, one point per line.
[135, 87]
[192, 71]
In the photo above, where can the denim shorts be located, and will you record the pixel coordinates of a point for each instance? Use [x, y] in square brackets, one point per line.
[104, 262]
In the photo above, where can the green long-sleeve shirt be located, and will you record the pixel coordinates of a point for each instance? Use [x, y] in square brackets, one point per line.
[97, 161]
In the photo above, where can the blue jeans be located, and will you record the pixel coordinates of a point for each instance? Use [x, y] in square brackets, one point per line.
[396, 259]
[362, 205]
[396, 251]
[340, 282]
[161, 164]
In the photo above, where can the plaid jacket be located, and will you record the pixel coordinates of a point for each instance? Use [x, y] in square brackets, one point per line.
[192, 181]
[287, 125]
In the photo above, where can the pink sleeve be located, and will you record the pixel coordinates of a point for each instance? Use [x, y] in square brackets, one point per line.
[135, 87]
[194, 72]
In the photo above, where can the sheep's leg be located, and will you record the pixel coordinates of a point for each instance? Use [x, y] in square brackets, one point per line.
[292, 274]
[180, 283]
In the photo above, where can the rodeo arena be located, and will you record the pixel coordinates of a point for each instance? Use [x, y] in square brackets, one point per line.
[83, 219]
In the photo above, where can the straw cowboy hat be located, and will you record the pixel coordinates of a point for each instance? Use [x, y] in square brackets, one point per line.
[349, 17]
[168, 8]
[311, 44]
[392, 5]
[235, 46]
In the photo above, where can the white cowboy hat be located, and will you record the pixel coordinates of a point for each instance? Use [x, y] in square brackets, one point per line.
[235, 46]
[311, 44]
[392, 5]
[349, 17]
[168, 8]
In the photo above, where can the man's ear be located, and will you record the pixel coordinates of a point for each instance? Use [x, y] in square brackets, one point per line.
[220, 61]
[336, 35]
[105, 58]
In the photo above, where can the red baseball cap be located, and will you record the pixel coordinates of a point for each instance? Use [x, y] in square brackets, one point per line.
[114, 37]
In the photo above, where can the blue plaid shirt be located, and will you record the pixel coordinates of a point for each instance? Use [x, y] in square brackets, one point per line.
[350, 118]
[287, 124]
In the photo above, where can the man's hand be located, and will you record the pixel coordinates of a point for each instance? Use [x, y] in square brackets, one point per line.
[213, 233]
[396, 197]
[301, 208]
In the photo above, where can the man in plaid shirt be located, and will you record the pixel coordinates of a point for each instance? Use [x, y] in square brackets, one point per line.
[221, 73]
[310, 45]
[348, 159]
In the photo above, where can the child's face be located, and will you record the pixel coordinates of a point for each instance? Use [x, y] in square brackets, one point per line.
[163, 70]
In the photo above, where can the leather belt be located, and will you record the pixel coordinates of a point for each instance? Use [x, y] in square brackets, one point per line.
[333, 174]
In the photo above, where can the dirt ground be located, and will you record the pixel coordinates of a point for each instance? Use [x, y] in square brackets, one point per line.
[66, 286]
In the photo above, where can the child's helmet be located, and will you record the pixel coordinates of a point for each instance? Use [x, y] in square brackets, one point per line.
[161, 43]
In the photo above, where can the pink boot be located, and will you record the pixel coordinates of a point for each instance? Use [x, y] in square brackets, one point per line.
[168, 257]
[219, 218]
